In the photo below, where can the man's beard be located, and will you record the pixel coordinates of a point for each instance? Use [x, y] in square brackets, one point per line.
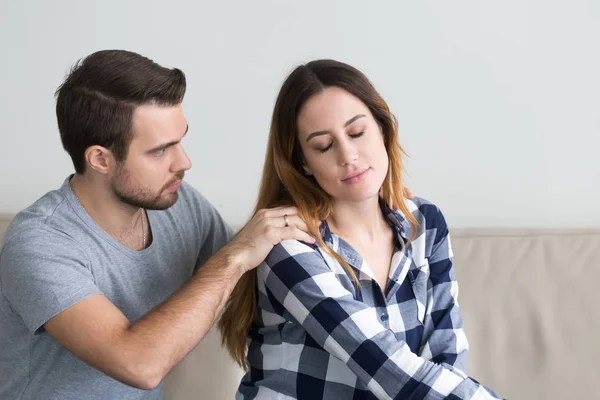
[129, 193]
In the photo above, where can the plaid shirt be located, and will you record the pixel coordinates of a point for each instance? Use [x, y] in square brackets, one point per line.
[317, 336]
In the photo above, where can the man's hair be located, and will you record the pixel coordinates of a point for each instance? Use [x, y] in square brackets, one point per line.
[95, 103]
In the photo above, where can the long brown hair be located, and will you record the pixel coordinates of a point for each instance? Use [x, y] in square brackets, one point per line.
[284, 183]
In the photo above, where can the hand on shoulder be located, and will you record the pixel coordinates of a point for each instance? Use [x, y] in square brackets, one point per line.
[266, 229]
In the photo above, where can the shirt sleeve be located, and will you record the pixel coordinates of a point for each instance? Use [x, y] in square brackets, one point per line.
[214, 231]
[42, 273]
[445, 342]
[298, 277]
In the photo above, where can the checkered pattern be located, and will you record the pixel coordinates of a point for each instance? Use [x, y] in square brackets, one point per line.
[317, 336]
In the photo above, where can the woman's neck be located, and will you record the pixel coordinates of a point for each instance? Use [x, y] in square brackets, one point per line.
[362, 221]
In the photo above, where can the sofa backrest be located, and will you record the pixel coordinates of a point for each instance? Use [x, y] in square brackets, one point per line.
[4, 221]
[530, 301]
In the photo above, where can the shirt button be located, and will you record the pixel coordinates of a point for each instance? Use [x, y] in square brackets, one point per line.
[384, 317]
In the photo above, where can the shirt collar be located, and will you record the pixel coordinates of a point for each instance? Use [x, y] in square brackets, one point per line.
[395, 219]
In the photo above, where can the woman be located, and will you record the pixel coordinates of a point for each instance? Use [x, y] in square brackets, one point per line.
[370, 310]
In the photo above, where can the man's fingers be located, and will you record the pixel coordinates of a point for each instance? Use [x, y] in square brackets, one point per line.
[280, 212]
[280, 223]
[292, 233]
[291, 220]
[305, 237]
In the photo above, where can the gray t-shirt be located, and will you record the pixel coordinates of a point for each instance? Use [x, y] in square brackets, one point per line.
[55, 255]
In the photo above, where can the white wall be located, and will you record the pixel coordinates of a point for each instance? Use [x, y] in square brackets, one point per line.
[498, 101]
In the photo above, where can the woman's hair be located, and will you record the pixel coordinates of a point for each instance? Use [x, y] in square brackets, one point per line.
[285, 184]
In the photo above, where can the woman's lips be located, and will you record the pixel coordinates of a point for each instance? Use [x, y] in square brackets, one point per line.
[357, 177]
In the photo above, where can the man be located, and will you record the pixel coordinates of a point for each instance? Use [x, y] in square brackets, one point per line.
[101, 290]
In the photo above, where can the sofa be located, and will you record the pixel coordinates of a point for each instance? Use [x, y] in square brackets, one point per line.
[530, 304]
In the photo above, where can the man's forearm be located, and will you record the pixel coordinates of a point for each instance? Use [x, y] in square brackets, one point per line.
[163, 337]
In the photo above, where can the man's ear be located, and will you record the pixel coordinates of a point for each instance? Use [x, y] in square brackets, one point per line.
[100, 159]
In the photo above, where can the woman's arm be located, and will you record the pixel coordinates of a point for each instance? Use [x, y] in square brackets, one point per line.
[444, 340]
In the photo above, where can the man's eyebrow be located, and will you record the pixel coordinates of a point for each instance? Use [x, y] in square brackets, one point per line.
[320, 133]
[169, 144]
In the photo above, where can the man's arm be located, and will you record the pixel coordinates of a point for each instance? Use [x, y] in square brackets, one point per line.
[142, 353]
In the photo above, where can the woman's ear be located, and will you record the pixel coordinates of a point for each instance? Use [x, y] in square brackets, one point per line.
[306, 170]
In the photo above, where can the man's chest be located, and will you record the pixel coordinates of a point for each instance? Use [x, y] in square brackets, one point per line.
[137, 285]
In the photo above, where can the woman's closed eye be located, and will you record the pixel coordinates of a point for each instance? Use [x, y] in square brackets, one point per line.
[324, 149]
[353, 136]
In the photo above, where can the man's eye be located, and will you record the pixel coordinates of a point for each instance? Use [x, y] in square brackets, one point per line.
[159, 153]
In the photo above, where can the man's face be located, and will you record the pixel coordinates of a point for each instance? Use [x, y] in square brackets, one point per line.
[152, 172]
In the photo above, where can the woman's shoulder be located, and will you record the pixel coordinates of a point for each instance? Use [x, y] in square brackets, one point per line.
[424, 211]
[292, 261]
[293, 251]
[431, 224]
[291, 248]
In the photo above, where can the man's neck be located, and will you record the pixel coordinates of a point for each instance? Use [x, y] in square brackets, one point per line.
[118, 219]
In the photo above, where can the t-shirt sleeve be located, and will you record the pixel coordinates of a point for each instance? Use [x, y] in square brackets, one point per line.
[214, 231]
[42, 273]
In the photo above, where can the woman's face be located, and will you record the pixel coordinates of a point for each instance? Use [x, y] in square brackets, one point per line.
[342, 145]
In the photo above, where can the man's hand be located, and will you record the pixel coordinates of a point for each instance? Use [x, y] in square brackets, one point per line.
[265, 230]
